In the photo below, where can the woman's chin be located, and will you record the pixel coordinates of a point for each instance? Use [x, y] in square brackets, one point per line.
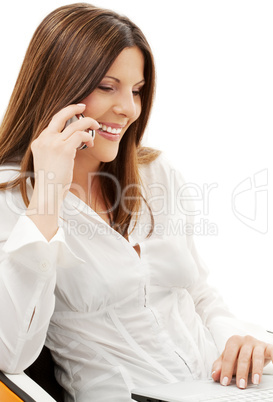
[106, 157]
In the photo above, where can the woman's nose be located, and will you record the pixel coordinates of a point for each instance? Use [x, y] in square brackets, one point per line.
[126, 104]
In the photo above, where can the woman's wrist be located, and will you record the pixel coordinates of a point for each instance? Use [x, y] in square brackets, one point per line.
[44, 214]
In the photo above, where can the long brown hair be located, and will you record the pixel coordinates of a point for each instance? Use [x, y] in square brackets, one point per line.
[68, 56]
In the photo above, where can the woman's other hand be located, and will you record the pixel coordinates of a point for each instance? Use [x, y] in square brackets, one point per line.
[242, 356]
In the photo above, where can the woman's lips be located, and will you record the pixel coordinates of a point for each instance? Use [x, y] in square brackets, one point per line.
[110, 131]
[112, 125]
[108, 136]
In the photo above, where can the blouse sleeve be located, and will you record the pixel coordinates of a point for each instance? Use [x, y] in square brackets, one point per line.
[27, 281]
[211, 307]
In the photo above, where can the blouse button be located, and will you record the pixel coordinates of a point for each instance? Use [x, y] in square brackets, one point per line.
[44, 265]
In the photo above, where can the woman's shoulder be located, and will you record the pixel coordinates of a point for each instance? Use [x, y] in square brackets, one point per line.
[11, 202]
[9, 172]
[160, 170]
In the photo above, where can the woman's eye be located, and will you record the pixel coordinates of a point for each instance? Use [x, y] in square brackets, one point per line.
[105, 88]
[137, 92]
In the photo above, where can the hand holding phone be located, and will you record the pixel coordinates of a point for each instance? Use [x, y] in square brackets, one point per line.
[54, 148]
[53, 157]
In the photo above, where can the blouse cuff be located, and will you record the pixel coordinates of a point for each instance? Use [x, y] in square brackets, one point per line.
[28, 245]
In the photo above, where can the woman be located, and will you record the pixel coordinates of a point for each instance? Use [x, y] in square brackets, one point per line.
[95, 256]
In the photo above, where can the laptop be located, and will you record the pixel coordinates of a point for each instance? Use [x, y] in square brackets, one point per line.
[203, 391]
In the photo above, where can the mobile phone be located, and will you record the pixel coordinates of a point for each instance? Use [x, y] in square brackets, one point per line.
[92, 132]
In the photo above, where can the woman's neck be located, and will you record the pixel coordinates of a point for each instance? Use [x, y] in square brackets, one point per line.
[85, 173]
[86, 186]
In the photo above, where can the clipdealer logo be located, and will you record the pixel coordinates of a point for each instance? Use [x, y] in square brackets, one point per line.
[250, 201]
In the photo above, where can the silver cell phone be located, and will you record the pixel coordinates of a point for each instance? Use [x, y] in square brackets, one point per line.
[92, 132]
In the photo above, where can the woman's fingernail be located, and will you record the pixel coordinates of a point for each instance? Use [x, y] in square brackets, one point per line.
[224, 381]
[81, 104]
[256, 379]
[242, 383]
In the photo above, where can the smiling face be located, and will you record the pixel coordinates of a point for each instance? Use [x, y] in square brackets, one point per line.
[115, 104]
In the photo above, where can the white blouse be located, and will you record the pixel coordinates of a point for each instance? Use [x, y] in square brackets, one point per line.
[113, 320]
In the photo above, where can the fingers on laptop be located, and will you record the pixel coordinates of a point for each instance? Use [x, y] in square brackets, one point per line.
[241, 356]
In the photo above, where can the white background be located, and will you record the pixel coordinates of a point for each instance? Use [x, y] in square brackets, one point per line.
[212, 117]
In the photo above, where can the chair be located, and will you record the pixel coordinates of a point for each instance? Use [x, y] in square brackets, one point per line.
[37, 384]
